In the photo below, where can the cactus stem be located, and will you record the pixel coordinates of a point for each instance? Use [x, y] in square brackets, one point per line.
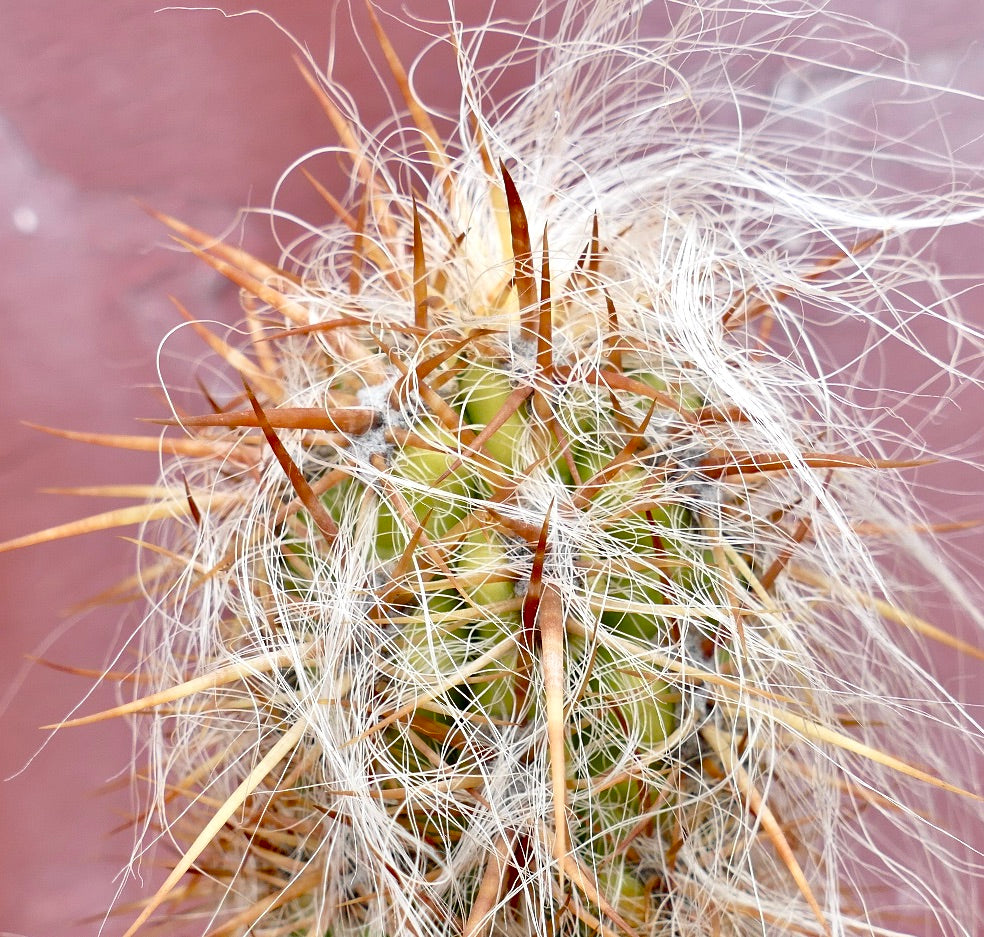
[555, 612]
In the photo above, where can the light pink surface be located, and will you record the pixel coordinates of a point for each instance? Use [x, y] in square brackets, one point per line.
[197, 115]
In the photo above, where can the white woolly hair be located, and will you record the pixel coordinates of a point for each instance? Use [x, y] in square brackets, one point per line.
[773, 755]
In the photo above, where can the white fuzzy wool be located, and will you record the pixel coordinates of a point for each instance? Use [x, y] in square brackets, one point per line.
[742, 213]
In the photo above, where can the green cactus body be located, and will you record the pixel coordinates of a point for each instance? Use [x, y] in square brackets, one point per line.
[463, 622]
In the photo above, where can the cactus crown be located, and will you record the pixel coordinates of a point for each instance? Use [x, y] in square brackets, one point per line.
[530, 584]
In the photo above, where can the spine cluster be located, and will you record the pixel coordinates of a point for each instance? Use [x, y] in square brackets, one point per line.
[534, 574]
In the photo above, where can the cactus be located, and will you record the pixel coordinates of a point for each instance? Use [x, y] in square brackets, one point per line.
[525, 583]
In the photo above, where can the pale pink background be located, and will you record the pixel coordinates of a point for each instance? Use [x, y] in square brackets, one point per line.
[196, 114]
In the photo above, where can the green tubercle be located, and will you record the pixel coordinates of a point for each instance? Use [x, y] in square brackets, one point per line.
[483, 552]
[486, 392]
[436, 491]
